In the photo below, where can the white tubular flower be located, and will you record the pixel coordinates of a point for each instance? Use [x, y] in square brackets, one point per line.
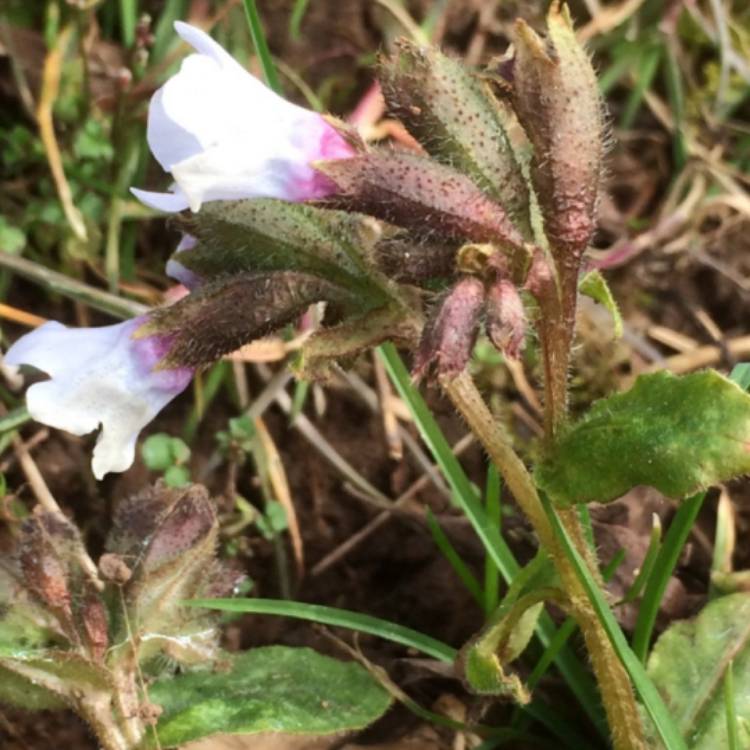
[99, 376]
[225, 136]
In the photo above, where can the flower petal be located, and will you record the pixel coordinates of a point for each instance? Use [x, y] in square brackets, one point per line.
[276, 165]
[169, 142]
[99, 376]
[170, 202]
[204, 43]
[175, 270]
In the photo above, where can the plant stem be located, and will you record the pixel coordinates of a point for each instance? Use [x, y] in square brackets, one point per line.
[557, 294]
[98, 713]
[614, 684]
[62, 284]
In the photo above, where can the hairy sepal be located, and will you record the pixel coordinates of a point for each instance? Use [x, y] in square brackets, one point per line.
[555, 95]
[421, 194]
[231, 311]
[270, 235]
[455, 117]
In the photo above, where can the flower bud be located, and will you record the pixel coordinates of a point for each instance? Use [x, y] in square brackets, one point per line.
[455, 117]
[506, 318]
[226, 313]
[448, 339]
[555, 95]
[420, 194]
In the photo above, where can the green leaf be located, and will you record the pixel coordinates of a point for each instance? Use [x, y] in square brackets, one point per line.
[180, 451]
[12, 239]
[177, 476]
[690, 664]
[19, 692]
[273, 689]
[156, 452]
[50, 678]
[483, 662]
[594, 285]
[273, 521]
[677, 434]
[242, 428]
[359, 333]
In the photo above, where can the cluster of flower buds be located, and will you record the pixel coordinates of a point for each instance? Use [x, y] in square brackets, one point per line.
[93, 631]
[492, 298]
[288, 207]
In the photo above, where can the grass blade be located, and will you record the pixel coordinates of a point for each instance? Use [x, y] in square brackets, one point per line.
[454, 559]
[664, 566]
[261, 46]
[164, 36]
[644, 75]
[649, 560]
[295, 21]
[128, 21]
[340, 618]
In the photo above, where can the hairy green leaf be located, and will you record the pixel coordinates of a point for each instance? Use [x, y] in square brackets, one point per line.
[484, 659]
[271, 235]
[677, 434]
[50, 678]
[273, 689]
[19, 692]
[355, 335]
[689, 665]
[595, 286]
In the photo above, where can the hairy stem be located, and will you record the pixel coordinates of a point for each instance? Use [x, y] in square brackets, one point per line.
[557, 294]
[97, 711]
[614, 684]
